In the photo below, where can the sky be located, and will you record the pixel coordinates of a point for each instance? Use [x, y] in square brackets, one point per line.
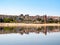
[31, 7]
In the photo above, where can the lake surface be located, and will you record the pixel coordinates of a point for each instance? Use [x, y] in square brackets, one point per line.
[40, 36]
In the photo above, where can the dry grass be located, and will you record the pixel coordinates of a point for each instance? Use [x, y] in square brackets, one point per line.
[27, 25]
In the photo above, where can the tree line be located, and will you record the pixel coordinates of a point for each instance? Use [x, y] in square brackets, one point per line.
[23, 20]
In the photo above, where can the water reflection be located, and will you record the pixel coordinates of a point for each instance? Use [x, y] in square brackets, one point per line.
[25, 30]
[36, 36]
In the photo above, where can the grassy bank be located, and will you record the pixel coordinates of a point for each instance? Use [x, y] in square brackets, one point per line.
[27, 25]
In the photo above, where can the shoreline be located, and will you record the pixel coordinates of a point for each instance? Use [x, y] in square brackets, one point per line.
[27, 25]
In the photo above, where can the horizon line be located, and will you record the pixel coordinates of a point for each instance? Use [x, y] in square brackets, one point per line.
[28, 14]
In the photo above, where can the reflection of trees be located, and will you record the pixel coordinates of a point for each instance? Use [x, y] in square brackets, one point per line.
[50, 27]
[25, 30]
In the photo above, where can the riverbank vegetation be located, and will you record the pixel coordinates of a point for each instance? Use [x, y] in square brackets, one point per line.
[29, 19]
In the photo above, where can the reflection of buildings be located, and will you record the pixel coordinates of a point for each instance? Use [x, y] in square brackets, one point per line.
[30, 30]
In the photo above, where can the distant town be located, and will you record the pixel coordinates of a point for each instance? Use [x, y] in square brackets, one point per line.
[29, 19]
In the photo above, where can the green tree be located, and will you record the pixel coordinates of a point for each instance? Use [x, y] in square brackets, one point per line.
[8, 20]
[50, 20]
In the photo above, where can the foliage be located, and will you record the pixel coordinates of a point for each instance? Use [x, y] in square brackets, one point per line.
[8, 20]
[50, 20]
[7, 28]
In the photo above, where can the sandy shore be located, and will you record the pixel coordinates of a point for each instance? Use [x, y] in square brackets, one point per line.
[26, 25]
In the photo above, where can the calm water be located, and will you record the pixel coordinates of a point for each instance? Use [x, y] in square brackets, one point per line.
[44, 36]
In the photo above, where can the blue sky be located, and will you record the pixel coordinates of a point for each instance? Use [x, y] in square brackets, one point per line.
[32, 7]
